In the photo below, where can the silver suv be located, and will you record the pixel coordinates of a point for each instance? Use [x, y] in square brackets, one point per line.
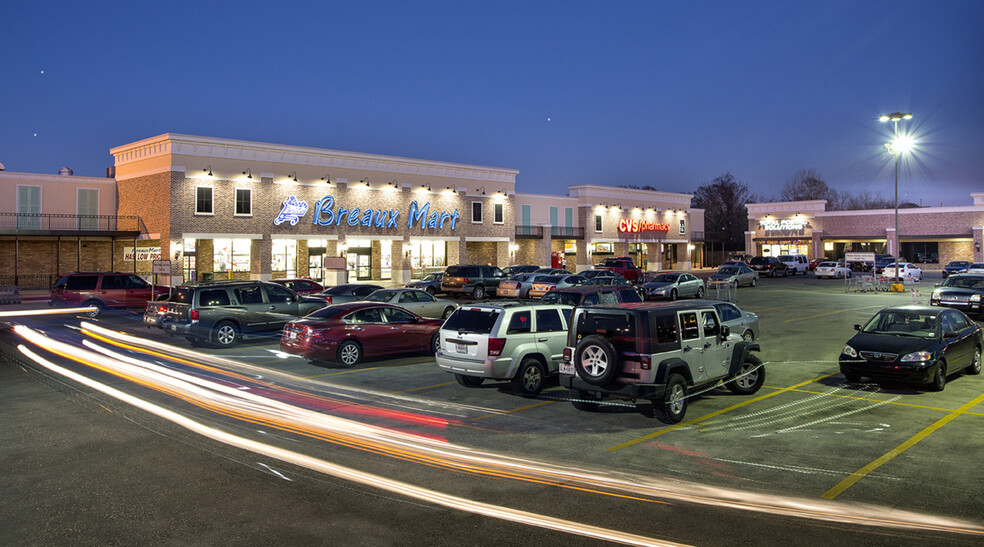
[517, 341]
[664, 353]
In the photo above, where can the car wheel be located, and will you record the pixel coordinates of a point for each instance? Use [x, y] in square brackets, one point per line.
[754, 281]
[349, 353]
[673, 294]
[700, 292]
[975, 366]
[436, 342]
[583, 400]
[852, 377]
[674, 401]
[430, 291]
[93, 304]
[939, 380]
[529, 378]
[596, 360]
[748, 336]
[750, 377]
[447, 312]
[478, 293]
[468, 381]
[773, 274]
[785, 273]
[849, 274]
[225, 334]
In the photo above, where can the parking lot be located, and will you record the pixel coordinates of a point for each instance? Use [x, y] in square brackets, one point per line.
[807, 432]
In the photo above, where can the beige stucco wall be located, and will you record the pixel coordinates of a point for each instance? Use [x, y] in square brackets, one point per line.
[59, 193]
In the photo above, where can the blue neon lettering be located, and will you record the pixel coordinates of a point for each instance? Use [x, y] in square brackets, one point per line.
[380, 216]
[417, 213]
[432, 220]
[367, 218]
[392, 220]
[341, 215]
[454, 218]
[444, 216]
[324, 208]
[353, 218]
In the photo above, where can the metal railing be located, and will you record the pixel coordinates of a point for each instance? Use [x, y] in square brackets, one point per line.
[529, 232]
[30, 282]
[567, 232]
[696, 236]
[50, 222]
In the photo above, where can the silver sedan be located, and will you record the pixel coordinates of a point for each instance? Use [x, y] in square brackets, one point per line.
[742, 323]
[547, 283]
[417, 301]
[517, 286]
[673, 285]
[739, 276]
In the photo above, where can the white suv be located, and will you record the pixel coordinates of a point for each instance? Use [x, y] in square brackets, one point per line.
[517, 341]
[796, 263]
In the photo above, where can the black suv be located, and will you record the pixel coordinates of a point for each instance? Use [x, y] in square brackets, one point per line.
[770, 266]
[592, 296]
[659, 352]
[475, 280]
[224, 312]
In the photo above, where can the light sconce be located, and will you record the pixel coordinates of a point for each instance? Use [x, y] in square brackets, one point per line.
[977, 247]
[392, 183]
[365, 181]
[502, 191]
[425, 186]
[248, 173]
[292, 176]
[481, 189]
[208, 168]
[327, 178]
[451, 190]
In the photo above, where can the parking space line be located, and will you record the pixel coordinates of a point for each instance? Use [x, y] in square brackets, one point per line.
[534, 405]
[718, 412]
[861, 473]
[351, 370]
[832, 313]
[877, 401]
[421, 388]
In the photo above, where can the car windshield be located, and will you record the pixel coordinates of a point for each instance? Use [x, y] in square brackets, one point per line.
[785, 258]
[759, 260]
[550, 279]
[381, 296]
[560, 297]
[665, 278]
[520, 277]
[728, 271]
[914, 323]
[958, 264]
[964, 282]
[432, 277]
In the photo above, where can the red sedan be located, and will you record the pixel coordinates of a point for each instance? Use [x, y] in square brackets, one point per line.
[347, 333]
[300, 286]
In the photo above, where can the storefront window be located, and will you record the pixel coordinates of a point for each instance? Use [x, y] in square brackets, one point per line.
[284, 258]
[316, 255]
[188, 256]
[426, 255]
[230, 255]
[386, 259]
[603, 248]
[921, 252]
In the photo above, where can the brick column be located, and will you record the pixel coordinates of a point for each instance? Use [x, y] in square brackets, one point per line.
[978, 243]
[750, 243]
[621, 248]
[502, 253]
[683, 255]
[583, 256]
[654, 257]
[544, 248]
[817, 243]
[400, 264]
[261, 258]
[204, 249]
[303, 258]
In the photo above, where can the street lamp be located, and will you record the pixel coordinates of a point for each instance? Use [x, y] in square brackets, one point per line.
[899, 145]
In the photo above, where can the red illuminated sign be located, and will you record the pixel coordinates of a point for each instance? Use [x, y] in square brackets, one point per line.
[628, 225]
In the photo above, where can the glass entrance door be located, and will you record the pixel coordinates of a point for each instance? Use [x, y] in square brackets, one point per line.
[358, 261]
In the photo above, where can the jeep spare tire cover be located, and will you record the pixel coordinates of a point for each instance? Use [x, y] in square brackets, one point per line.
[596, 360]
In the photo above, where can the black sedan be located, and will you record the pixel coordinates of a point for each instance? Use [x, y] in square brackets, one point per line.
[920, 344]
[962, 291]
[955, 267]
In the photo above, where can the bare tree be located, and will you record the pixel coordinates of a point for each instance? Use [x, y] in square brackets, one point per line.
[723, 201]
[807, 185]
[864, 200]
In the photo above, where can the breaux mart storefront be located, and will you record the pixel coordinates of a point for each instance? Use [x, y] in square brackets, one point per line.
[227, 209]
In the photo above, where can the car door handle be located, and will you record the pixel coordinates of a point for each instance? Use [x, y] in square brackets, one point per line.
[541, 339]
[707, 345]
[272, 308]
[687, 348]
[394, 328]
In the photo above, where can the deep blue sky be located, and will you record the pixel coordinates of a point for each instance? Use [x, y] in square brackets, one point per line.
[669, 94]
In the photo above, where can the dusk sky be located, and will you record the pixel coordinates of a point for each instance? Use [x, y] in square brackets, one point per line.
[667, 94]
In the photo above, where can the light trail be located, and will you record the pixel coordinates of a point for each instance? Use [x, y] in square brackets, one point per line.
[56, 311]
[241, 404]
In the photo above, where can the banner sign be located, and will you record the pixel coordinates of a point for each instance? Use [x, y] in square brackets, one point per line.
[627, 225]
[143, 253]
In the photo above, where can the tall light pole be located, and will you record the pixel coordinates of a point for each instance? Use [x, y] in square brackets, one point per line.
[897, 147]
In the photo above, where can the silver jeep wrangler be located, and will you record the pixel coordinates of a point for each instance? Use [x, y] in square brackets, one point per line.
[659, 352]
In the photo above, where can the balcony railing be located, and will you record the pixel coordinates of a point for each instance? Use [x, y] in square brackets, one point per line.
[47, 223]
[696, 236]
[567, 232]
[529, 232]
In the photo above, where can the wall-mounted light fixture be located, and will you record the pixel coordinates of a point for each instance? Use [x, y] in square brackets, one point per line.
[481, 189]
[365, 181]
[248, 173]
[451, 190]
[392, 183]
[502, 191]
[292, 176]
[326, 178]
[208, 169]
[977, 246]
[425, 186]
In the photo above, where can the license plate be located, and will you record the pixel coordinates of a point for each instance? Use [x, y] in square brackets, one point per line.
[567, 368]
[173, 327]
[292, 335]
[461, 348]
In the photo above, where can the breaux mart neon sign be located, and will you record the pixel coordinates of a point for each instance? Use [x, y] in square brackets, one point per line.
[326, 214]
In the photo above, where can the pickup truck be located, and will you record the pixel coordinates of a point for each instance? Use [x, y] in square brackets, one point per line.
[623, 267]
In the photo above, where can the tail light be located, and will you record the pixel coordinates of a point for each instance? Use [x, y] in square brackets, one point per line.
[327, 299]
[552, 287]
[162, 309]
[568, 355]
[315, 333]
[645, 363]
[495, 346]
[193, 315]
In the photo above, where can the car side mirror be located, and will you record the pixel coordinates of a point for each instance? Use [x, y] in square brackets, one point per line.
[936, 285]
[725, 331]
[857, 327]
[950, 334]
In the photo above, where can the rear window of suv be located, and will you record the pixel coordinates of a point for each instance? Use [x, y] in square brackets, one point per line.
[620, 327]
[182, 295]
[463, 271]
[478, 321]
[81, 283]
[759, 260]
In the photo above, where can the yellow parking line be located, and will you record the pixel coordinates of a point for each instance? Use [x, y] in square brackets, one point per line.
[832, 313]
[421, 388]
[718, 412]
[534, 405]
[861, 473]
[348, 371]
[876, 400]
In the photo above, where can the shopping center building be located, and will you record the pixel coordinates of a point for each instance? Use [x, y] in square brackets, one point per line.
[933, 236]
[220, 208]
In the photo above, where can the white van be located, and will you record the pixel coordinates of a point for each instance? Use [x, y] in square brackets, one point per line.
[797, 263]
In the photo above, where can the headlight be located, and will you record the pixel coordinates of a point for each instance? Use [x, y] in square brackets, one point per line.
[975, 298]
[917, 356]
[849, 351]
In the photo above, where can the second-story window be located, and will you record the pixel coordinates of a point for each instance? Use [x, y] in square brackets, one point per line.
[477, 212]
[244, 202]
[203, 200]
[498, 213]
[683, 225]
[598, 223]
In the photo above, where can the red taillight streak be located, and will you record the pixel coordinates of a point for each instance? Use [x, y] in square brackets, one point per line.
[552, 287]
[162, 309]
[193, 315]
[646, 363]
[328, 299]
[495, 346]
